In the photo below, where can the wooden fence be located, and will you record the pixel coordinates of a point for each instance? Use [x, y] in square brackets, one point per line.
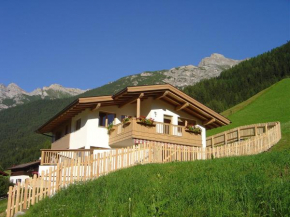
[23, 195]
[238, 134]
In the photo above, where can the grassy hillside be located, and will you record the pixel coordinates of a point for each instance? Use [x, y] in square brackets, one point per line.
[272, 104]
[240, 186]
[237, 186]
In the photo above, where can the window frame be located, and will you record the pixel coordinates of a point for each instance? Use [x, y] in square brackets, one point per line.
[78, 125]
[106, 119]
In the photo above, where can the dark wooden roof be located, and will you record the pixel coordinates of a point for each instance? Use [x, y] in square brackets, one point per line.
[3, 173]
[165, 92]
[20, 166]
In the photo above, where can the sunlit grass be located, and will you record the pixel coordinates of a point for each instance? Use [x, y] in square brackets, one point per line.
[3, 206]
[238, 186]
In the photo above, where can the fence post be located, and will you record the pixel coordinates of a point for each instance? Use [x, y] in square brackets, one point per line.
[42, 157]
[33, 189]
[8, 210]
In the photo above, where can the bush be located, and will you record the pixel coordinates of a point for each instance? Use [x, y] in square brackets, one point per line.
[4, 185]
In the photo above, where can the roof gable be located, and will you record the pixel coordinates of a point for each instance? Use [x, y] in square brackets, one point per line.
[166, 92]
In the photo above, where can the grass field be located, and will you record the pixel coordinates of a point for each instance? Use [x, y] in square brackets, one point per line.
[272, 104]
[3, 206]
[237, 186]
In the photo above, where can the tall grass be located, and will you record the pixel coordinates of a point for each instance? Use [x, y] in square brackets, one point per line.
[3, 206]
[238, 186]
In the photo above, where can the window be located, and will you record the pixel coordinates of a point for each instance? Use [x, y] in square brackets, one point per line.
[66, 130]
[185, 122]
[57, 135]
[105, 119]
[123, 116]
[78, 124]
[181, 122]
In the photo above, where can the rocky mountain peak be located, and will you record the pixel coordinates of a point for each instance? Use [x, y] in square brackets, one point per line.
[217, 59]
[13, 95]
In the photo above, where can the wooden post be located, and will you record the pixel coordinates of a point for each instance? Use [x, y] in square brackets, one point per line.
[17, 197]
[128, 157]
[116, 159]
[42, 157]
[91, 165]
[104, 163]
[78, 168]
[25, 194]
[33, 189]
[225, 135]
[8, 211]
[122, 158]
[256, 133]
[41, 185]
[138, 107]
[98, 165]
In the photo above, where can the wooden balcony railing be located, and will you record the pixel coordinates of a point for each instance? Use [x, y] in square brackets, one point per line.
[160, 132]
[52, 157]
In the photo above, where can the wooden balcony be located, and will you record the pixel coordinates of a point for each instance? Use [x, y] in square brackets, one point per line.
[160, 132]
[62, 143]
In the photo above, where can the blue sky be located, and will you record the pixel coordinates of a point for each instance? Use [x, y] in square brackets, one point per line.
[86, 44]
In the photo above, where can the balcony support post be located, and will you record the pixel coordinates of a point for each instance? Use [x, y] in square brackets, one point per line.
[138, 107]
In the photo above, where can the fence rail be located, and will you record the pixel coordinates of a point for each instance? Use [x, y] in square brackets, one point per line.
[239, 133]
[81, 168]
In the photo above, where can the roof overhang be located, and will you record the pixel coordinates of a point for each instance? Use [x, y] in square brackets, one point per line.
[166, 92]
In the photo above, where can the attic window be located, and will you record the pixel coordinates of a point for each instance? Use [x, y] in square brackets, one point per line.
[78, 124]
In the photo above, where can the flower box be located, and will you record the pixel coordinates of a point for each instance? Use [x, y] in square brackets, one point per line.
[193, 129]
[146, 124]
[144, 121]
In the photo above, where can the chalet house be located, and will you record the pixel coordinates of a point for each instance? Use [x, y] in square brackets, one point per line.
[104, 122]
[23, 171]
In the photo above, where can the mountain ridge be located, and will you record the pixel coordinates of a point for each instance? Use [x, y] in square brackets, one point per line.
[12, 95]
[179, 77]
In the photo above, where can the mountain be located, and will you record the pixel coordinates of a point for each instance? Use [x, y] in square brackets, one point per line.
[13, 95]
[182, 76]
[241, 82]
[179, 77]
[189, 75]
[19, 143]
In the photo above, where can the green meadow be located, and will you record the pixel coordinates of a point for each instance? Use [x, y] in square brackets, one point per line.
[236, 186]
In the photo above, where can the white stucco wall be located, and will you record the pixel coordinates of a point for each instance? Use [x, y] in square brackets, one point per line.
[91, 135]
[78, 138]
[14, 179]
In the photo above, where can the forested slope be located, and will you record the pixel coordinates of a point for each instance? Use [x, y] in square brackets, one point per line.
[244, 80]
